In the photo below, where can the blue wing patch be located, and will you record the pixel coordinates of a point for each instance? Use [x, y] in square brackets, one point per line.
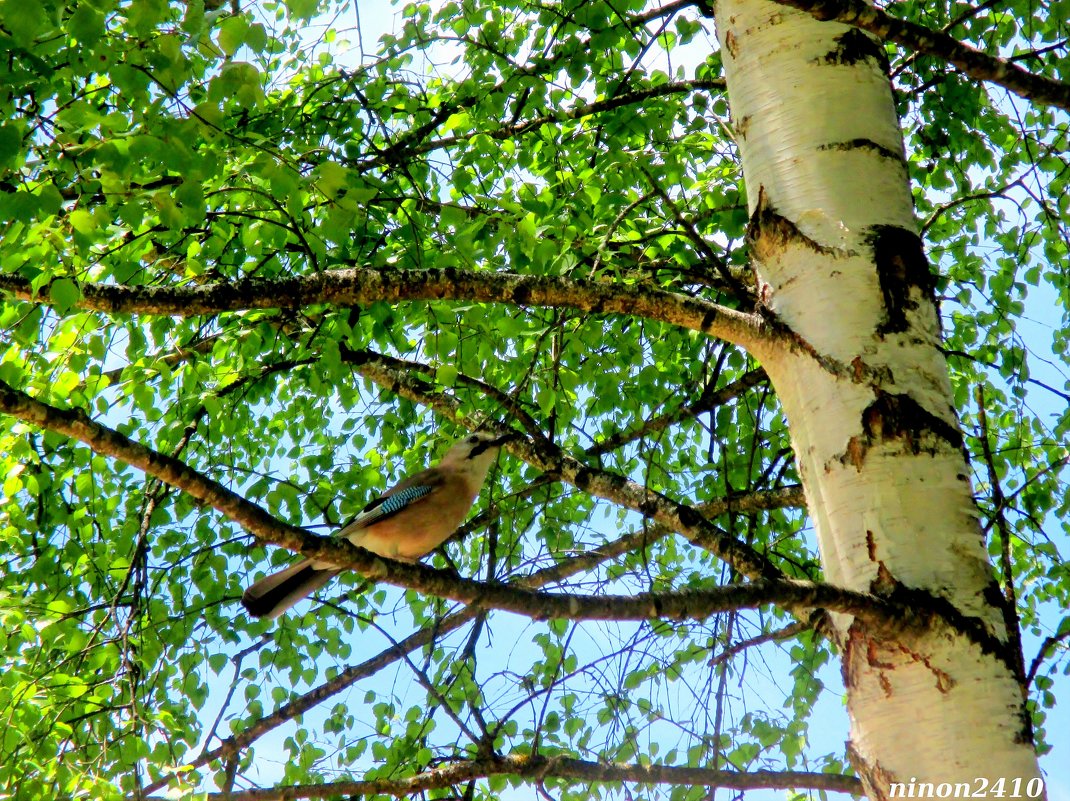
[384, 507]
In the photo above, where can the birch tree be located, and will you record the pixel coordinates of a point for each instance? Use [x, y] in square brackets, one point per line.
[753, 281]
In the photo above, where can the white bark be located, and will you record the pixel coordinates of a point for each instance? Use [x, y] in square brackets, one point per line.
[867, 394]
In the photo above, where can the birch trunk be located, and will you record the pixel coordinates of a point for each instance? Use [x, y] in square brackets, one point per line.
[858, 370]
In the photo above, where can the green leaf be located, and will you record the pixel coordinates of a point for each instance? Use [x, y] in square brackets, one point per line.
[232, 32]
[446, 374]
[82, 221]
[323, 236]
[86, 24]
[10, 144]
[64, 294]
[302, 9]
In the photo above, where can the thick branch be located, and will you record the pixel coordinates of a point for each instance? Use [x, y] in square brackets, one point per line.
[540, 768]
[578, 563]
[916, 611]
[796, 596]
[978, 65]
[74, 423]
[358, 286]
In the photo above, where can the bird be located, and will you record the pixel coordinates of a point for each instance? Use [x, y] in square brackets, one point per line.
[406, 523]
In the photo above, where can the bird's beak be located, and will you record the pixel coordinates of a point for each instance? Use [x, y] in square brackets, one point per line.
[497, 442]
[508, 436]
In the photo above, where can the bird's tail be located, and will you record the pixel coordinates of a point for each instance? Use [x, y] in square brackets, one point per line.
[274, 594]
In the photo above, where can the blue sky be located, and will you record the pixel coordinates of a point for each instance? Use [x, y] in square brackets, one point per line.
[829, 727]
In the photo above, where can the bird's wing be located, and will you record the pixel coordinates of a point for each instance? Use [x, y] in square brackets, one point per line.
[401, 496]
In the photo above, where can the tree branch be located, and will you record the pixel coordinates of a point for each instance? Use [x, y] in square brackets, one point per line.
[797, 596]
[508, 131]
[707, 402]
[604, 484]
[774, 499]
[972, 62]
[1038, 660]
[358, 286]
[784, 633]
[541, 768]
[1010, 598]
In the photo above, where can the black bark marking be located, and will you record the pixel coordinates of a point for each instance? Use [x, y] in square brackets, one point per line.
[854, 47]
[689, 517]
[994, 596]
[521, 294]
[708, 319]
[583, 479]
[769, 234]
[901, 268]
[353, 357]
[894, 417]
[656, 604]
[973, 628]
[865, 144]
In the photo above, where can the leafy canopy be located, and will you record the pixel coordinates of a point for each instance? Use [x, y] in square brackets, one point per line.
[181, 145]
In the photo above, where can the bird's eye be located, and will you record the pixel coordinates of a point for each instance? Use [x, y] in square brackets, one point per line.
[473, 439]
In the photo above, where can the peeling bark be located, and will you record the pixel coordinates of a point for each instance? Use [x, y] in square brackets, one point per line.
[854, 355]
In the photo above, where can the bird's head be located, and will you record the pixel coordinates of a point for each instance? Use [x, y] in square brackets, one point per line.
[478, 449]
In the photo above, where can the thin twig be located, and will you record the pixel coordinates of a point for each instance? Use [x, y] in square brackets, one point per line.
[1010, 599]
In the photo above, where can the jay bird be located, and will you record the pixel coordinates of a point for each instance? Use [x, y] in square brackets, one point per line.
[405, 522]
